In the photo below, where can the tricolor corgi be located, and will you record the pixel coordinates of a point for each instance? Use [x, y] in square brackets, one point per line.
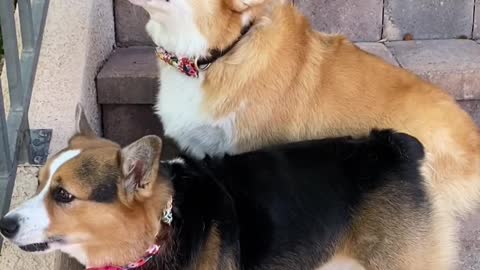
[338, 203]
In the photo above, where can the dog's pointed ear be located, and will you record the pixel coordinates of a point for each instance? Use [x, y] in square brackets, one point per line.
[81, 123]
[242, 5]
[140, 162]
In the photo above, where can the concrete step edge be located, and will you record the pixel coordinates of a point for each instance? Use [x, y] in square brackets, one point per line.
[130, 76]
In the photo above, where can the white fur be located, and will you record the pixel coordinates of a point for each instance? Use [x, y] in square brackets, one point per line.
[181, 98]
[32, 214]
[246, 17]
[342, 264]
[172, 26]
[177, 160]
[77, 252]
[179, 105]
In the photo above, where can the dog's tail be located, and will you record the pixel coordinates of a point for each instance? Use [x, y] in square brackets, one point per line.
[401, 146]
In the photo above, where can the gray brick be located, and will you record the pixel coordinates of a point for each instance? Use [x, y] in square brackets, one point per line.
[453, 65]
[473, 108]
[476, 27]
[428, 19]
[130, 76]
[130, 23]
[358, 20]
[379, 50]
[470, 243]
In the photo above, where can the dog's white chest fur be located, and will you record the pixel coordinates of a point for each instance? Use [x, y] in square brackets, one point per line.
[179, 105]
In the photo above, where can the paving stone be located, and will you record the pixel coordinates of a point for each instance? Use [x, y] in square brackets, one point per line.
[130, 23]
[130, 76]
[379, 50]
[476, 23]
[454, 65]
[11, 257]
[358, 20]
[428, 19]
[470, 243]
[473, 108]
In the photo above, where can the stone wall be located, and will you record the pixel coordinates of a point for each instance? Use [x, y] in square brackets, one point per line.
[360, 20]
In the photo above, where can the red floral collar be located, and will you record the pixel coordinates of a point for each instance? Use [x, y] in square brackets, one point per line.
[149, 254]
[192, 66]
[186, 65]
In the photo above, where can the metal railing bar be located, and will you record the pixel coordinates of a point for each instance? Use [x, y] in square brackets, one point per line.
[6, 189]
[29, 66]
[26, 24]
[12, 61]
[39, 9]
[5, 152]
[14, 129]
[27, 69]
[18, 122]
[7, 181]
[21, 69]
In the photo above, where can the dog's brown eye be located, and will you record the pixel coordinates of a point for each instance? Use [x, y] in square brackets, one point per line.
[62, 196]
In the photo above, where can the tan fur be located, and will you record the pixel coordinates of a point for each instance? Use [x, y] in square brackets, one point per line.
[391, 233]
[210, 255]
[286, 82]
[219, 33]
[122, 229]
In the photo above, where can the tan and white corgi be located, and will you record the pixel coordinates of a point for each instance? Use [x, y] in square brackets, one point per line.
[337, 203]
[240, 74]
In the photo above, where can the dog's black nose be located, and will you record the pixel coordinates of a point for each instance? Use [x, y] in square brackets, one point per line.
[9, 226]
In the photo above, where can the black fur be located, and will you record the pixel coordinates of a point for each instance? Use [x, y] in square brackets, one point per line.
[102, 177]
[104, 193]
[285, 207]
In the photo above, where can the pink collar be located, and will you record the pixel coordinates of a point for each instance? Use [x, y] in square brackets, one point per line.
[149, 254]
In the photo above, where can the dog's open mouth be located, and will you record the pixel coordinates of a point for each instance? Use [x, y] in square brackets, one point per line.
[37, 247]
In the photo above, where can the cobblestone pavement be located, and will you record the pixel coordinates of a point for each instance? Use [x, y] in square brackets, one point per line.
[12, 258]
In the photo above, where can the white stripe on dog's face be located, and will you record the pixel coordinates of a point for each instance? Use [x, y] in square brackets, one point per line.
[32, 215]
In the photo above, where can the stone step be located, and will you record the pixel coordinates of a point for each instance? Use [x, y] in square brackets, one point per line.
[130, 75]
[366, 20]
[127, 84]
[454, 65]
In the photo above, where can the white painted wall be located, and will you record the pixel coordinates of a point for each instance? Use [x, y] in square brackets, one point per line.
[78, 38]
